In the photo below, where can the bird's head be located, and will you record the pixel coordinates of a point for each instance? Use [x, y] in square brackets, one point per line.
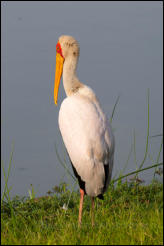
[66, 47]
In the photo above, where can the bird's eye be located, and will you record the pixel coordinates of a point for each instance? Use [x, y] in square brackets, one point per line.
[58, 49]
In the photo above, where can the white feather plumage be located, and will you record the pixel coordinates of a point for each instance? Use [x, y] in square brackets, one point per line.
[88, 138]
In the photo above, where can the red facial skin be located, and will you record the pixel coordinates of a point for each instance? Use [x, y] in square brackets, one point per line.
[58, 49]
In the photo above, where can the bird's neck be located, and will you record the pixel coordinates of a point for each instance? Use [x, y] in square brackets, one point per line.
[70, 80]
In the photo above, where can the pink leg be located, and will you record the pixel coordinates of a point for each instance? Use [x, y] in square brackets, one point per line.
[81, 205]
[92, 210]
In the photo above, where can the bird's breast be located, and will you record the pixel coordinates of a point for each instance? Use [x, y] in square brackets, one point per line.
[83, 127]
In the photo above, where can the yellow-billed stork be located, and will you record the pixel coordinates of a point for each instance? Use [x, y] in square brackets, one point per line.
[85, 129]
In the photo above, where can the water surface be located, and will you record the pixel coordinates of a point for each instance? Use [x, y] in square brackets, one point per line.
[121, 54]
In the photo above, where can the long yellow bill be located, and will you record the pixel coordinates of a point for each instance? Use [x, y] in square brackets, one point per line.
[58, 74]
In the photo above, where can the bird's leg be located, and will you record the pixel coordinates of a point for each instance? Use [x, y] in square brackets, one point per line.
[81, 205]
[92, 210]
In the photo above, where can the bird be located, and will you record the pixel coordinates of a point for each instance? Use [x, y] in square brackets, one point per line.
[84, 127]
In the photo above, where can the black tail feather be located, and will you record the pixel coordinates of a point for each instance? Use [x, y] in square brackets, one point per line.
[101, 196]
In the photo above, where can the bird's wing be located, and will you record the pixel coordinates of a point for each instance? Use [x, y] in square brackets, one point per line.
[87, 137]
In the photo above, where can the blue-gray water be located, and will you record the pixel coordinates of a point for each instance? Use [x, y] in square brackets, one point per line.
[121, 54]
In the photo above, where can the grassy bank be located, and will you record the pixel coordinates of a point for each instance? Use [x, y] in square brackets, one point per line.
[130, 214]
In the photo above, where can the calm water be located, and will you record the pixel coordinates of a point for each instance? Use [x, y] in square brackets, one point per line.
[121, 54]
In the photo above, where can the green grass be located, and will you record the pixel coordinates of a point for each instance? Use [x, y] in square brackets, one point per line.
[129, 214]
